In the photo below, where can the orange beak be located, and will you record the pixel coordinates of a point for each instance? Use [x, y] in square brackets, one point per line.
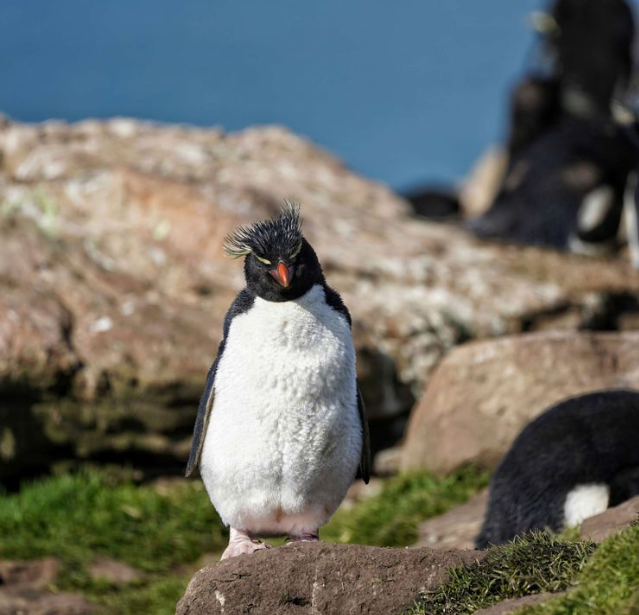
[282, 274]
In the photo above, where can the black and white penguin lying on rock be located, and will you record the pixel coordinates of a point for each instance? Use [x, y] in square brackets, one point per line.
[281, 428]
[572, 462]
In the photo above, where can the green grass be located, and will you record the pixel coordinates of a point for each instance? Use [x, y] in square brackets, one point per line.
[391, 519]
[81, 516]
[538, 562]
[608, 584]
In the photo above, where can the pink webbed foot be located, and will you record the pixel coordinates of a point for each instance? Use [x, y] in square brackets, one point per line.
[240, 543]
[308, 537]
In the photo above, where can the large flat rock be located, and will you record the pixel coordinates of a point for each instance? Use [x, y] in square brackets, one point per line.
[113, 285]
[484, 393]
[318, 578]
[611, 521]
[457, 528]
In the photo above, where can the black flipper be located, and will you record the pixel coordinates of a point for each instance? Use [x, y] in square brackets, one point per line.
[365, 462]
[201, 422]
[242, 303]
[335, 301]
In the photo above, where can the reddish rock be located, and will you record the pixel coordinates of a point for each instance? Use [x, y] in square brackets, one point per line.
[484, 393]
[23, 590]
[611, 521]
[34, 602]
[36, 574]
[113, 571]
[457, 528]
[320, 578]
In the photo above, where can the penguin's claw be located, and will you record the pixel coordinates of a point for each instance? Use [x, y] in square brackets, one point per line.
[241, 543]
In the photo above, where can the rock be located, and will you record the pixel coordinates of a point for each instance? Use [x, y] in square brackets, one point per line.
[35, 574]
[113, 285]
[512, 606]
[113, 571]
[359, 491]
[387, 461]
[320, 578]
[23, 590]
[611, 521]
[484, 393]
[34, 602]
[457, 528]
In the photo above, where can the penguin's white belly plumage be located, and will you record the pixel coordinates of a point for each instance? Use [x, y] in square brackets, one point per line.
[284, 437]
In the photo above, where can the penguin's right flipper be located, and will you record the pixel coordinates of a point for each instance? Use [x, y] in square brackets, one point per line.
[365, 461]
[201, 422]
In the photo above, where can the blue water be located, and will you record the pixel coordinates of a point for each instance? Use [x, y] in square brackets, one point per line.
[404, 91]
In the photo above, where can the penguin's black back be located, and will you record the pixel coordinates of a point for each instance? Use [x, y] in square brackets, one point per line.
[589, 439]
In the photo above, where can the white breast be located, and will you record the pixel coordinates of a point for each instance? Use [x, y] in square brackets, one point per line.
[284, 438]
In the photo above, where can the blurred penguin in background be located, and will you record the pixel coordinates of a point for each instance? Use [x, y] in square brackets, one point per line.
[572, 462]
[570, 158]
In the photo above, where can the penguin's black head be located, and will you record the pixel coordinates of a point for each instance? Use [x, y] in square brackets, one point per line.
[280, 264]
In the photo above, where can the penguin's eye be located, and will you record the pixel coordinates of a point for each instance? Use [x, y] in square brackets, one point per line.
[262, 259]
[297, 251]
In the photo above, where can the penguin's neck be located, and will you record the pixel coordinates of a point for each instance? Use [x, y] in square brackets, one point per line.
[312, 298]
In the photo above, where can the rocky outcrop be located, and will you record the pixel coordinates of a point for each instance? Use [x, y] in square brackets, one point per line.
[611, 521]
[320, 578]
[23, 590]
[330, 578]
[113, 285]
[483, 394]
[457, 528]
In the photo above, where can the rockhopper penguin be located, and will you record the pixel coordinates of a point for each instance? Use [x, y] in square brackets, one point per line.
[281, 428]
[572, 462]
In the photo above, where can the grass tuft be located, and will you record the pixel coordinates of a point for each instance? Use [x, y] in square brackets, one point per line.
[535, 563]
[608, 584]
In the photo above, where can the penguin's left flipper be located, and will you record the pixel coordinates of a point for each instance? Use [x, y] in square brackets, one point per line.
[201, 422]
[365, 462]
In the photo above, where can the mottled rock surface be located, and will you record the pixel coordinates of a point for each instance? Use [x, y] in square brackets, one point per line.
[484, 393]
[113, 285]
[611, 521]
[320, 578]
